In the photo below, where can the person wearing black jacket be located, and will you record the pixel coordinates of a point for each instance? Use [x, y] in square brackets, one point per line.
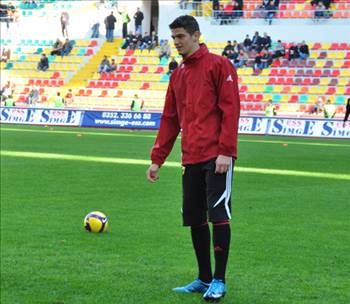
[304, 52]
[293, 52]
[109, 22]
[256, 42]
[229, 51]
[138, 17]
[43, 64]
[172, 65]
[265, 41]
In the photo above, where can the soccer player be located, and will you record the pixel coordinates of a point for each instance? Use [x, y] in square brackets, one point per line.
[202, 102]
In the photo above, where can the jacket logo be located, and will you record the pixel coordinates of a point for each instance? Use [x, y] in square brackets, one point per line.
[229, 78]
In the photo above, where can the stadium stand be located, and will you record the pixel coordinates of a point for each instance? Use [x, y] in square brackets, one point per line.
[294, 86]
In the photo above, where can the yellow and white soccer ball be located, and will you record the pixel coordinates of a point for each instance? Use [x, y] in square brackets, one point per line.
[96, 221]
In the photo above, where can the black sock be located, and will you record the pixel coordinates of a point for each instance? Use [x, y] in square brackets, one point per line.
[221, 240]
[201, 244]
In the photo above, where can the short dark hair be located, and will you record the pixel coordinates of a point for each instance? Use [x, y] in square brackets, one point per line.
[189, 23]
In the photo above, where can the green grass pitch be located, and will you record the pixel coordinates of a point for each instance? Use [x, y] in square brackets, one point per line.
[290, 227]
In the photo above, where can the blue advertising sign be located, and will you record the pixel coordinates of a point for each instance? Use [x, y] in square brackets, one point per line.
[127, 120]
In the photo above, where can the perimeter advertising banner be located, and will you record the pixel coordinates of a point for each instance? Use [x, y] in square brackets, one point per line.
[32, 116]
[278, 126]
[308, 127]
[125, 120]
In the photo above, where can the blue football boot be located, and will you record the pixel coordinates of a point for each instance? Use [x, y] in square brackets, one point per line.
[196, 286]
[215, 292]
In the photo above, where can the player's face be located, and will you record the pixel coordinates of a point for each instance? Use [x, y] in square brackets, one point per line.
[185, 43]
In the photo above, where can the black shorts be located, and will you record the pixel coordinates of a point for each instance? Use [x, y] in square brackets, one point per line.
[206, 194]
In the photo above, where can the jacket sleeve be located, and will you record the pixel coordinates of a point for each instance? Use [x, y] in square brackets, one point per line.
[168, 131]
[229, 104]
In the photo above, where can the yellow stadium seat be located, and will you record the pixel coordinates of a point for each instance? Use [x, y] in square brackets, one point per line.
[312, 99]
[284, 98]
[267, 97]
[313, 90]
[324, 81]
[322, 90]
[345, 73]
[265, 72]
[313, 55]
[277, 89]
[325, 46]
[295, 89]
[332, 55]
[337, 64]
[340, 90]
[340, 55]
[320, 63]
[342, 81]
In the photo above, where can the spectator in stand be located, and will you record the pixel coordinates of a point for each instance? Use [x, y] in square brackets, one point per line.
[165, 50]
[146, 41]
[320, 10]
[237, 9]
[271, 10]
[57, 48]
[136, 104]
[136, 40]
[247, 43]
[110, 25]
[293, 52]
[7, 91]
[257, 63]
[104, 65]
[278, 50]
[112, 67]
[229, 51]
[95, 29]
[265, 41]
[43, 64]
[64, 19]
[304, 52]
[256, 42]
[59, 100]
[172, 65]
[326, 3]
[318, 106]
[5, 55]
[33, 96]
[138, 17]
[125, 20]
[241, 60]
[266, 59]
[66, 48]
[69, 98]
[154, 41]
[329, 110]
[128, 41]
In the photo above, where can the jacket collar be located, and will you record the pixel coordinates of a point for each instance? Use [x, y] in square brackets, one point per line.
[203, 50]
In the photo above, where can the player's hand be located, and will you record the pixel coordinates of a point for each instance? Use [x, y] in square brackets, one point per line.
[152, 173]
[222, 164]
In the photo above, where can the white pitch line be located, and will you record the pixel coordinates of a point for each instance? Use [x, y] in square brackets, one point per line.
[111, 160]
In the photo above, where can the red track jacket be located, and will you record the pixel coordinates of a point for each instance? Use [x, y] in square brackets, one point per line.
[202, 101]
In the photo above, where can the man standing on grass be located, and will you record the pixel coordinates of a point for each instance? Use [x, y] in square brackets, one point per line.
[202, 102]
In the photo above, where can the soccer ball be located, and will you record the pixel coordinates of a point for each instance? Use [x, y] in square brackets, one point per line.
[96, 222]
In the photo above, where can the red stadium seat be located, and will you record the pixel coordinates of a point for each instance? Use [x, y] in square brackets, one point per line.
[160, 70]
[330, 91]
[93, 43]
[25, 91]
[91, 84]
[242, 88]
[294, 98]
[145, 86]
[144, 69]
[55, 75]
[89, 52]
